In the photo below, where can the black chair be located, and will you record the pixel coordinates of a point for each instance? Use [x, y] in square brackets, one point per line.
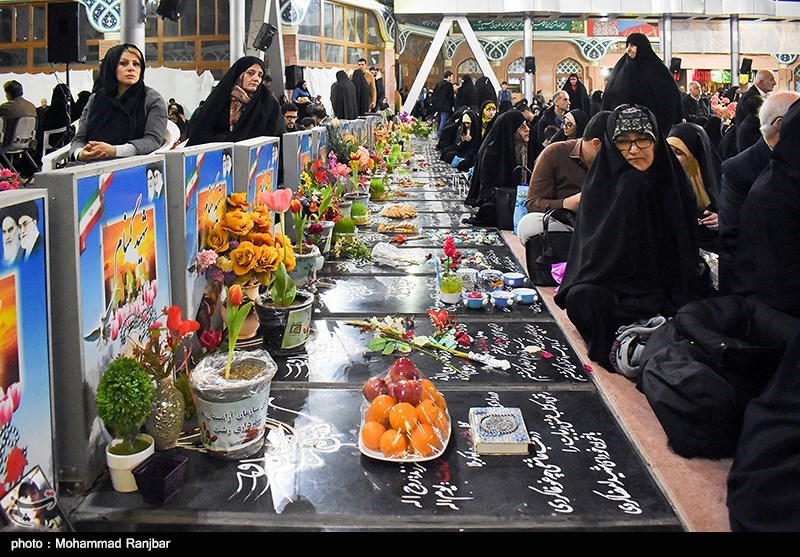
[23, 138]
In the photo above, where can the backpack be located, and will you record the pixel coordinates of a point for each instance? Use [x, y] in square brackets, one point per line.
[701, 368]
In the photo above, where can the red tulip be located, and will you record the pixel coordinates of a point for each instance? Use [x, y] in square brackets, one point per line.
[235, 295]
[295, 206]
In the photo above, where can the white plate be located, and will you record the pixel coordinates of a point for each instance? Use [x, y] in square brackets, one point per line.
[410, 457]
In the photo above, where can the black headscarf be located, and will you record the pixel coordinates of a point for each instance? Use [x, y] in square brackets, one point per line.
[261, 116]
[465, 149]
[343, 97]
[467, 94]
[768, 254]
[578, 97]
[449, 135]
[363, 91]
[486, 90]
[635, 231]
[695, 139]
[496, 161]
[117, 120]
[644, 80]
[581, 119]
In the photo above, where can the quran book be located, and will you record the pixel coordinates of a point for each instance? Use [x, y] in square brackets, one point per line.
[498, 430]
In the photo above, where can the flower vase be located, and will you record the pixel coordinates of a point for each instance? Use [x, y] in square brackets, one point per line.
[323, 239]
[232, 411]
[304, 274]
[165, 422]
[285, 329]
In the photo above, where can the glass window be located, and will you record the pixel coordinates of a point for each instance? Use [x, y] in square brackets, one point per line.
[179, 51]
[308, 50]
[12, 58]
[373, 36]
[334, 54]
[6, 24]
[39, 19]
[211, 50]
[338, 22]
[311, 24]
[208, 19]
[40, 57]
[150, 53]
[355, 25]
[23, 17]
[188, 19]
[353, 54]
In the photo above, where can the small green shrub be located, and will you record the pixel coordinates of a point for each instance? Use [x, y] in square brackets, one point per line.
[344, 225]
[358, 209]
[124, 399]
[451, 284]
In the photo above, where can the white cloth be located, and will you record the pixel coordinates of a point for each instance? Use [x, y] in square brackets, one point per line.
[531, 225]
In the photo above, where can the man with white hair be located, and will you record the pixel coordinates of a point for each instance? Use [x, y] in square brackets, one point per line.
[738, 175]
[763, 85]
[553, 116]
[695, 106]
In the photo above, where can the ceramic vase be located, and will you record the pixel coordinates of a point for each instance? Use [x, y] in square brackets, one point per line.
[285, 329]
[323, 239]
[165, 422]
[121, 467]
[304, 274]
[232, 412]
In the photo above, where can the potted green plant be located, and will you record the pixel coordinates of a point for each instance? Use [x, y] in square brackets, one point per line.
[124, 399]
[359, 214]
[450, 288]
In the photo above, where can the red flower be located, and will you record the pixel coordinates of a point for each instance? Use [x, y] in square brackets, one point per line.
[210, 339]
[235, 295]
[178, 326]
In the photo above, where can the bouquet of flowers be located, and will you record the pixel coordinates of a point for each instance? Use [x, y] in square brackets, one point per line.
[241, 249]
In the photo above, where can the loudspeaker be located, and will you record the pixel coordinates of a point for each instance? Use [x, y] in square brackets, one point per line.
[66, 32]
[675, 65]
[530, 64]
[264, 37]
[294, 75]
[170, 9]
[747, 66]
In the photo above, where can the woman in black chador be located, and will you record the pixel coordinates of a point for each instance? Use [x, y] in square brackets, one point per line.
[239, 107]
[467, 94]
[640, 77]
[578, 95]
[343, 97]
[363, 91]
[634, 251]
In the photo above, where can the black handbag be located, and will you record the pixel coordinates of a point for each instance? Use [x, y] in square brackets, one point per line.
[505, 200]
[551, 246]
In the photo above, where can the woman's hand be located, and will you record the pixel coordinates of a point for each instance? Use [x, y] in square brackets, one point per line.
[709, 220]
[97, 150]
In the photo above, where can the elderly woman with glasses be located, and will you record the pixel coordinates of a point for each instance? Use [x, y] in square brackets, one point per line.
[634, 252]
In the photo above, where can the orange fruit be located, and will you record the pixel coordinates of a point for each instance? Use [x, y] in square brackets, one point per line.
[371, 435]
[393, 443]
[424, 440]
[440, 401]
[403, 417]
[429, 390]
[429, 413]
[378, 410]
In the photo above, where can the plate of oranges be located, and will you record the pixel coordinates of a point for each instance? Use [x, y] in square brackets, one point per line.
[404, 417]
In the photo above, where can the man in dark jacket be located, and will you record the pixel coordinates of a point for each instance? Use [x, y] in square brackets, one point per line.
[444, 98]
[695, 106]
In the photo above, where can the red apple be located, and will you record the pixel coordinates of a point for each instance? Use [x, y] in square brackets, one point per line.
[407, 390]
[373, 387]
[403, 368]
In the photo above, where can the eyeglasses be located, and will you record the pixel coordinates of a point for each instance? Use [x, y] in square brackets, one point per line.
[290, 117]
[775, 120]
[626, 144]
[568, 125]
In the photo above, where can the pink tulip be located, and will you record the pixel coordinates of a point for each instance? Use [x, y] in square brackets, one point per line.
[6, 411]
[278, 200]
[14, 394]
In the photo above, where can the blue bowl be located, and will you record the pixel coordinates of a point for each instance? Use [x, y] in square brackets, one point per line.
[525, 295]
[513, 279]
[501, 298]
[475, 303]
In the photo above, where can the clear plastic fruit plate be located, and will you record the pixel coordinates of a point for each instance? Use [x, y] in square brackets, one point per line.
[408, 456]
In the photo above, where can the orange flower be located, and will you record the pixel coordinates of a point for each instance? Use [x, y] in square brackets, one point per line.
[177, 324]
[262, 221]
[268, 260]
[238, 200]
[217, 239]
[235, 295]
[261, 238]
[244, 257]
[237, 222]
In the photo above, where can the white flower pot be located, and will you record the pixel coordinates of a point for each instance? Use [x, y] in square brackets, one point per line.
[120, 466]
